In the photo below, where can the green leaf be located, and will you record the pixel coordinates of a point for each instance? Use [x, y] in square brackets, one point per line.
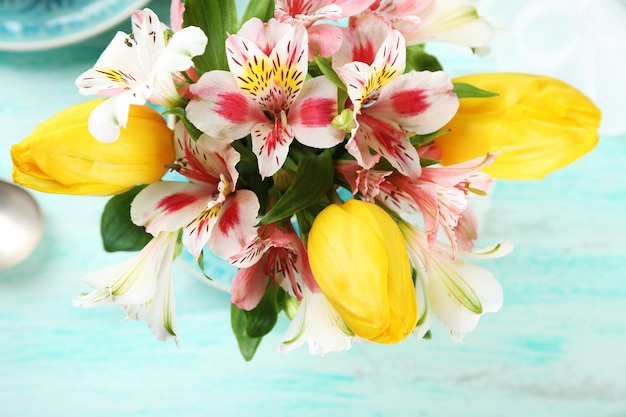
[426, 162]
[218, 19]
[262, 318]
[179, 112]
[326, 68]
[118, 232]
[312, 181]
[247, 344]
[418, 140]
[464, 90]
[420, 60]
[263, 9]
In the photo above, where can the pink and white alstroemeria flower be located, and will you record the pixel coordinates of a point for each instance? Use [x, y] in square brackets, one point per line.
[141, 286]
[324, 39]
[209, 208]
[441, 195]
[267, 96]
[138, 68]
[450, 21]
[390, 106]
[364, 181]
[457, 292]
[319, 324]
[276, 256]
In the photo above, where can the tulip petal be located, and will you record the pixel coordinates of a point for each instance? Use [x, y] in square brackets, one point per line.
[60, 156]
[375, 296]
[538, 124]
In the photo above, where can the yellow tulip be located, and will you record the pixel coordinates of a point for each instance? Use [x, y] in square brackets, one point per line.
[360, 262]
[61, 157]
[540, 124]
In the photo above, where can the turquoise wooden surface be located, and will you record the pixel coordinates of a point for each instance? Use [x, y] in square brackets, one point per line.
[555, 349]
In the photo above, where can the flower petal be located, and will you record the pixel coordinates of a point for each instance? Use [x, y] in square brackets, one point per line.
[184, 45]
[235, 226]
[169, 205]
[419, 102]
[270, 143]
[249, 286]
[312, 113]
[319, 324]
[220, 109]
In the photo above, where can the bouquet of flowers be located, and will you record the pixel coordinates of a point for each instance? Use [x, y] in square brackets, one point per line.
[314, 145]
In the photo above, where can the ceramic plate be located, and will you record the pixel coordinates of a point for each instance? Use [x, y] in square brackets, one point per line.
[42, 24]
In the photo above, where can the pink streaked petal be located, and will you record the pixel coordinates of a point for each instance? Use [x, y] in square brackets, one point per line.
[391, 142]
[200, 160]
[466, 231]
[290, 65]
[355, 75]
[250, 67]
[368, 182]
[312, 113]
[420, 102]
[168, 205]
[235, 228]
[196, 234]
[270, 143]
[452, 202]
[348, 171]
[249, 286]
[400, 8]
[451, 175]
[264, 35]
[479, 181]
[403, 194]
[220, 109]
[390, 59]
[177, 8]
[300, 271]
[358, 147]
[362, 39]
[353, 7]
[324, 40]
[365, 181]
[307, 12]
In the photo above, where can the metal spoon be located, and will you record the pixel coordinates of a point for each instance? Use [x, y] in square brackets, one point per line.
[21, 224]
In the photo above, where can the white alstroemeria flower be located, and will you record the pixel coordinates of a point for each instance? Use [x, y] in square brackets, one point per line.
[138, 68]
[141, 286]
[457, 292]
[451, 21]
[319, 324]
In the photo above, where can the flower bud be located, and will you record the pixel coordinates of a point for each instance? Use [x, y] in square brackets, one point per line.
[539, 124]
[361, 264]
[60, 156]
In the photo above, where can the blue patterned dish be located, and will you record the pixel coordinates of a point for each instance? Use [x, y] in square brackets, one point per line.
[43, 24]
